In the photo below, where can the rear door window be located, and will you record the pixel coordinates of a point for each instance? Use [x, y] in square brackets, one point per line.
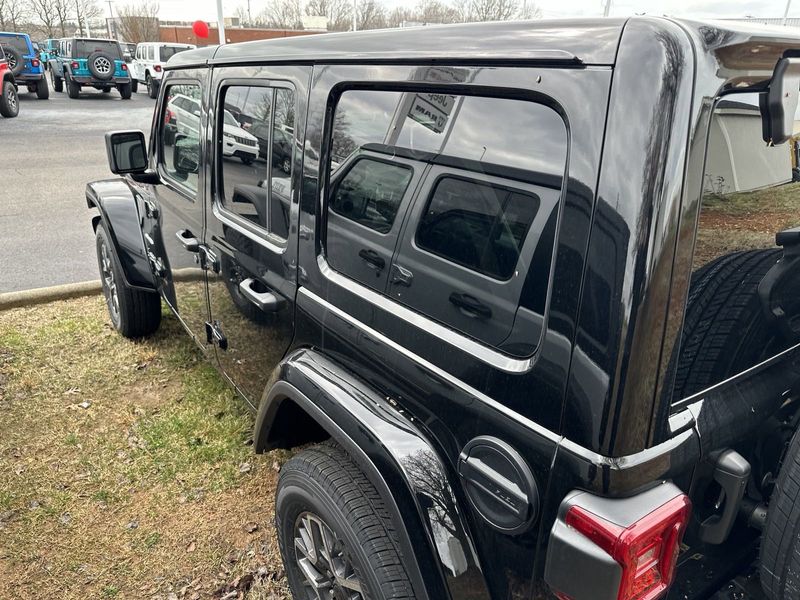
[473, 183]
[83, 48]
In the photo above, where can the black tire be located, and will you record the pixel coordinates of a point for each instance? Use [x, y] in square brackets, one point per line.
[323, 482]
[780, 545]
[725, 330]
[73, 89]
[15, 60]
[134, 313]
[125, 90]
[42, 89]
[152, 86]
[58, 83]
[106, 90]
[101, 66]
[134, 85]
[248, 160]
[9, 101]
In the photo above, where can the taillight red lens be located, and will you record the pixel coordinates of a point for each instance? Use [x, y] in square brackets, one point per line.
[647, 550]
[167, 116]
[157, 68]
[35, 62]
[124, 67]
[75, 65]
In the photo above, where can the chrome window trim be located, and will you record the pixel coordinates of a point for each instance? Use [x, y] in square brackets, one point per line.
[260, 238]
[550, 435]
[480, 351]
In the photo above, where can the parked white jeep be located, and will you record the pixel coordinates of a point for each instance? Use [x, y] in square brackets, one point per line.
[148, 64]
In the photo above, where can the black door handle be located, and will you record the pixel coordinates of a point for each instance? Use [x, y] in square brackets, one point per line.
[470, 306]
[186, 238]
[372, 258]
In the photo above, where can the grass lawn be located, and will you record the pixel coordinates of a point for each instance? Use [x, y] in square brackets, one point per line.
[126, 468]
[745, 220]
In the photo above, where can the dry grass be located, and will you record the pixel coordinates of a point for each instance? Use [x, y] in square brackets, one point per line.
[745, 221]
[126, 469]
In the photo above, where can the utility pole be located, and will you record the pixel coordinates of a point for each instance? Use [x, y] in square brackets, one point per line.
[608, 7]
[110, 21]
[355, 15]
[786, 12]
[249, 15]
[220, 23]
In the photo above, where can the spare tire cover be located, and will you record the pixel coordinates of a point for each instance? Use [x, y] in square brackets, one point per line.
[101, 65]
[15, 60]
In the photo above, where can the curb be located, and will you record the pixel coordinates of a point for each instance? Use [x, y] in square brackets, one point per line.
[11, 300]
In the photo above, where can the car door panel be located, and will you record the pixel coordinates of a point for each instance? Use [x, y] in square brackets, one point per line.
[174, 214]
[252, 225]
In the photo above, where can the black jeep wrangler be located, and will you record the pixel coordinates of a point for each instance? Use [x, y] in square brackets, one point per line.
[530, 290]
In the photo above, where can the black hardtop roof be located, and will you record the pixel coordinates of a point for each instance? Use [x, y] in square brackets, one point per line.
[579, 41]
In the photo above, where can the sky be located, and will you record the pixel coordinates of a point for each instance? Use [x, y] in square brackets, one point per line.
[190, 10]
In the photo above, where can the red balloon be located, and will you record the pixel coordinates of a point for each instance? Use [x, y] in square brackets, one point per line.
[200, 29]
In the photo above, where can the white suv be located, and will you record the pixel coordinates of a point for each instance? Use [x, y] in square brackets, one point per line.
[148, 64]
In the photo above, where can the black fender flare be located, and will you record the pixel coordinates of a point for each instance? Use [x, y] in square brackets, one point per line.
[119, 212]
[393, 452]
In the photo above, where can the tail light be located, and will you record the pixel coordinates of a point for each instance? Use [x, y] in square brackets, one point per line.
[75, 64]
[157, 68]
[124, 67]
[35, 62]
[168, 116]
[647, 550]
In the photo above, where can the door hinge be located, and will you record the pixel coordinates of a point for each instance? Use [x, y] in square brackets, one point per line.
[208, 260]
[214, 335]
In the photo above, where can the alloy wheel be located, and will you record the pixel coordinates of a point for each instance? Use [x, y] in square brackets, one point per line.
[103, 65]
[109, 282]
[323, 560]
[11, 98]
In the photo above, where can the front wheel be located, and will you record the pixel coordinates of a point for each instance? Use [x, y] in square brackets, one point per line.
[134, 85]
[134, 313]
[152, 87]
[335, 535]
[248, 160]
[9, 103]
[58, 83]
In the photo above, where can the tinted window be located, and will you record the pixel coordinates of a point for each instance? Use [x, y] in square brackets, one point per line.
[83, 48]
[168, 52]
[370, 193]
[478, 226]
[256, 149]
[180, 134]
[15, 41]
[464, 227]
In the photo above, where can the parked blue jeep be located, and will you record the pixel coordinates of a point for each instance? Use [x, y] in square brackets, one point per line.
[47, 51]
[23, 60]
[96, 63]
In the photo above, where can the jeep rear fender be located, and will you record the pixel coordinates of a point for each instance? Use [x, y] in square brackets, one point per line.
[394, 454]
[120, 215]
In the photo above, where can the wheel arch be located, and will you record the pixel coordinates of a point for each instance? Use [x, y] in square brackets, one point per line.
[319, 399]
[117, 210]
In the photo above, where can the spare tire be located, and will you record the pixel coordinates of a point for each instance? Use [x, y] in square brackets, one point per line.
[725, 330]
[101, 65]
[15, 60]
[780, 545]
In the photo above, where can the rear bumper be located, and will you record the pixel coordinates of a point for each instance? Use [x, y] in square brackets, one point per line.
[83, 80]
[28, 77]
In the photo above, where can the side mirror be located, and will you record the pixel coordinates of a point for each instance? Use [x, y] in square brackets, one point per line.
[778, 103]
[127, 152]
[186, 155]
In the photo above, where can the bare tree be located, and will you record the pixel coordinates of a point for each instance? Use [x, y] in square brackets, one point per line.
[435, 11]
[12, 14]
[45, 12]
[62, 10]
[139, 22]
[85, 11]
[499, 10]
[370, 15]
[338, 12]
[282, 14]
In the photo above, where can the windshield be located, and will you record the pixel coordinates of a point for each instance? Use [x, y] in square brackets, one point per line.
[168, 52]
[83, 48]
[15, 41]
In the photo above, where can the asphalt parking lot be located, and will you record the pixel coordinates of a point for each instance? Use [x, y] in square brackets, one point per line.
[49, 153]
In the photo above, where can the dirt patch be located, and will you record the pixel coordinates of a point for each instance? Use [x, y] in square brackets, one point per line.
[126, 468]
